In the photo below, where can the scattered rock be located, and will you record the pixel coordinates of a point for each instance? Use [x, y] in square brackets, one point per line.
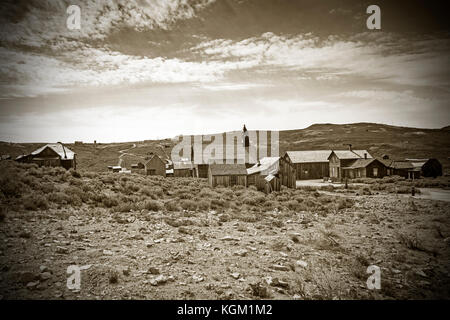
[229, 238]
[62, 250]
[107, 252]
[45, 276]
[301, 263]
[32, 285]
[241, 252]
[197, 278]
[153, 270]
[235, 275]
[421, 273]
[280, 267]
[279, 283]
[43, 269]
[161, 279]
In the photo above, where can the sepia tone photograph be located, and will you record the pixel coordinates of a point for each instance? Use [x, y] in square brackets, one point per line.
[224, 150]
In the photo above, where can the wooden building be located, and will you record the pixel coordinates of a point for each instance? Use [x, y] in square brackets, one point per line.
[311, 164]
[227, 175]
[137, 167]
[52, 155]
[403, 169]
[428, 167]
[339, 159]
[184, 169]
[281, 168]
[155, 166]
[202, 170]
[365, 168]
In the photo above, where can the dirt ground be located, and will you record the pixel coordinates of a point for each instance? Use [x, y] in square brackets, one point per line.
[202, 255]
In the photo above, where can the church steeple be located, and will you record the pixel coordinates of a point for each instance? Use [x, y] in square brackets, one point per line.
[245, 138]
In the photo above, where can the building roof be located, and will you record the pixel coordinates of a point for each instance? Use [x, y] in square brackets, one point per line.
[361, 163]
[62, 151]
[228, 169]
[351, 154]
[402, 165]
[182, 165]
[265, 166]
[151, 158]
[309, 156]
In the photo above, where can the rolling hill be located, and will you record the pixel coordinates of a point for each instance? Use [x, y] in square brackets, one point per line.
[378, 139]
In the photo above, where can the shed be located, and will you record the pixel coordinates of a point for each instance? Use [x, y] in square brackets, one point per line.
[155, 166]
[227, 175]
[184, 169]
[310, 164]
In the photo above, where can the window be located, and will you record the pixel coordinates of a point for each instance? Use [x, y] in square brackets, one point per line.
[375, 172]
[152, 172]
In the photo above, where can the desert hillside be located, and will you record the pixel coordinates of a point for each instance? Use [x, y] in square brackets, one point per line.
[379, 139]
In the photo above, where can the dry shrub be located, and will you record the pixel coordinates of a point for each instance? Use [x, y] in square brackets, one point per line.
[189, 205]
[152, 205]
[34, 202]
[171, 206]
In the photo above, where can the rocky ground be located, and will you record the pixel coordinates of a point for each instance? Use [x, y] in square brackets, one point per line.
[182, 254]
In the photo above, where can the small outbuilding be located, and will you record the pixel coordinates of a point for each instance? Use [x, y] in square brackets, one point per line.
[155, 166]
[184, 169]
[227, 175]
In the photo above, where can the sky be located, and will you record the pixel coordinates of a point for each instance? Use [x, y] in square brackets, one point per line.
[149, 69]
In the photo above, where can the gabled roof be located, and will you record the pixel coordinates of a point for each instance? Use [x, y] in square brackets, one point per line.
[62, 151]
[362, 163]
[265, 166]
[309, 156]
[351, 154]
[228, 169]
[154, 156]
[402, 165]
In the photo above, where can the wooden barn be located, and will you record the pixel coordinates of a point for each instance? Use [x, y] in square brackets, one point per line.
[311, 164]
[184, 169]
[155, 166]
[52, 155]
[428, 167]
[365, 168]
[339, 159]
[280, 168]
[227, 175]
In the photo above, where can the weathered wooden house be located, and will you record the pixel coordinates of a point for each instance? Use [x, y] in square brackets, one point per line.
[428, 167]
[403, 169]
[311, 164]
[227, 175]
[281, 168]
[365, 168]
[155, 166]
[339, 159]
[53, 155]
[184, 169]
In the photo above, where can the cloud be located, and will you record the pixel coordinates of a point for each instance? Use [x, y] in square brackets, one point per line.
[379, 56]
[39, 22]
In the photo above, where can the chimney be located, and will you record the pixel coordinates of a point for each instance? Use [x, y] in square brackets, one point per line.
[65, 155]
[350, 147]
[365, 155]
